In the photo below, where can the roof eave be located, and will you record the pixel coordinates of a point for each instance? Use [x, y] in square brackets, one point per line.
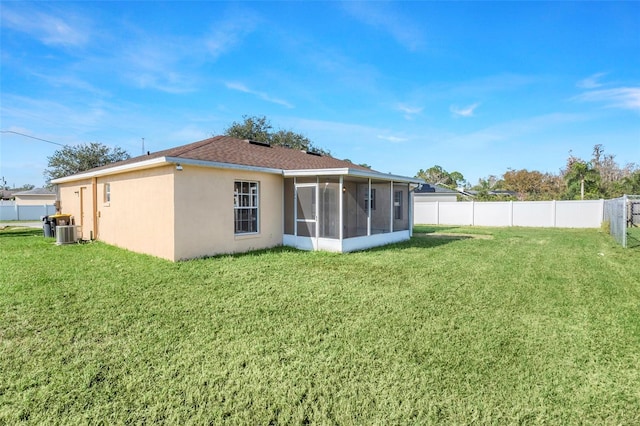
[145, 164]
[220, 165]
[346, 171]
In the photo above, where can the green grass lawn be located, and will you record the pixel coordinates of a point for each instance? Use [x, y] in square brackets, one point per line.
[522, 326]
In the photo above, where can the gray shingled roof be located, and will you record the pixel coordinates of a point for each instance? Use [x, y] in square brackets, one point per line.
[35, 191]
[430, 188]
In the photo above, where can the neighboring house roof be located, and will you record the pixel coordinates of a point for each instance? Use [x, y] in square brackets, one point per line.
[493, 192]
[429, 188]
[35, 191]
[221, 151]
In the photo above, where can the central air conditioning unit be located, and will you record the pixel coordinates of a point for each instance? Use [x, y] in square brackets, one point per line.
[66, 234]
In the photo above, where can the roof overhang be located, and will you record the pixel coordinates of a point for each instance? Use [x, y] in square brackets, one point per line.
[351, 172]
[140, 165]
[218, 165]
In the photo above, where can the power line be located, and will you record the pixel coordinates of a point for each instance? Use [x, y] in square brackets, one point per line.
[32, 137]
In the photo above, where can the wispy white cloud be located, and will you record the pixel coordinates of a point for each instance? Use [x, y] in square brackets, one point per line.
[620, 97]
[467, 111]
[410, 112]
[169, 81]
[261, 95]
[75, 118]
[230, 31]
[51, 28]
[591, 82]
[392, 139]
[70, 81]
[510, 130]
[160, 63]
[382, 16]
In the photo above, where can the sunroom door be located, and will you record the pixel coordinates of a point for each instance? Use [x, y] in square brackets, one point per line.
[307, 210]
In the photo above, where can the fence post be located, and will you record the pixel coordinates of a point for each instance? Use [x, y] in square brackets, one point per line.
[554, 213]
[511, 213]
[437, 212]
[17, 209]
[624, 220]
[473, 213]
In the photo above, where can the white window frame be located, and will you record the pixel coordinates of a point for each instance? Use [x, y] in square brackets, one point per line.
[252, 201]
[397, 204]
[107, 193]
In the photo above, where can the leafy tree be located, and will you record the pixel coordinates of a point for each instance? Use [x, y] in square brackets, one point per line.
[27, 187]
[488, 184]
[252, 128]
[75, 159]
[532, 185]
[631, 184]
[581, 176]
[612, 176]
[259, 128]
[436, 175]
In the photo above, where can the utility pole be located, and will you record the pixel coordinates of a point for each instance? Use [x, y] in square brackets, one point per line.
[142, 146]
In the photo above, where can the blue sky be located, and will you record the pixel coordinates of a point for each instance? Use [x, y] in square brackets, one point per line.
[475, 87]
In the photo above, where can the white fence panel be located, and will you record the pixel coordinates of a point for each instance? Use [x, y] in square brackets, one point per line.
[454, 213]
[493, 214]
[579, 214]
[533, 214]
[546, 214]
[426, 212]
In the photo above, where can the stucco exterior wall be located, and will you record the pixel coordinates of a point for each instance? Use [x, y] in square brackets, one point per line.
[204, 212]
[140, 215]
[76, 199]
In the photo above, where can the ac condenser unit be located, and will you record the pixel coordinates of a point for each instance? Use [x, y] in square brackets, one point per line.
[66, 234]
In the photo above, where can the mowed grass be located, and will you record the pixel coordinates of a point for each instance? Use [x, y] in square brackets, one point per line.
[521, 326]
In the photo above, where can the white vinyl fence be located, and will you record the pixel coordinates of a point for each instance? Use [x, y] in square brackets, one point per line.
[12, 211]
[545, 214]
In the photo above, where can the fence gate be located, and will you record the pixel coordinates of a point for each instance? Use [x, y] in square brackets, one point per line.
[623, 215]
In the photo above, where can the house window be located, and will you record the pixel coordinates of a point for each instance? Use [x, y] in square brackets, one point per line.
[397, 205]
[373, 199]
[107, 192]
[245, 204]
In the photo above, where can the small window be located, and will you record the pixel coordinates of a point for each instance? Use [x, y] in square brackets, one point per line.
[397, 205]
[245, 204]
[107, 192]
[373, 199]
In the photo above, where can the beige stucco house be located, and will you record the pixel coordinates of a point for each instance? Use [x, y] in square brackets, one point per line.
[35, 197]
[225, 195]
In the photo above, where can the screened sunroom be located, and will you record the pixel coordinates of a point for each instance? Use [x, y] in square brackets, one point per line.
[346, 210]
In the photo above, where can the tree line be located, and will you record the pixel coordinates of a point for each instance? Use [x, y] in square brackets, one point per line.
[598, 177]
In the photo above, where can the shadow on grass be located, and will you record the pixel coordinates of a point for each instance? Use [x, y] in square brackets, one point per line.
[253, 253]
[431, 229]
[424, 241]
[20, 232]
[420, 241]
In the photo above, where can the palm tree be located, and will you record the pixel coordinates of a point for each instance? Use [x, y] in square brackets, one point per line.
[581, 171]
